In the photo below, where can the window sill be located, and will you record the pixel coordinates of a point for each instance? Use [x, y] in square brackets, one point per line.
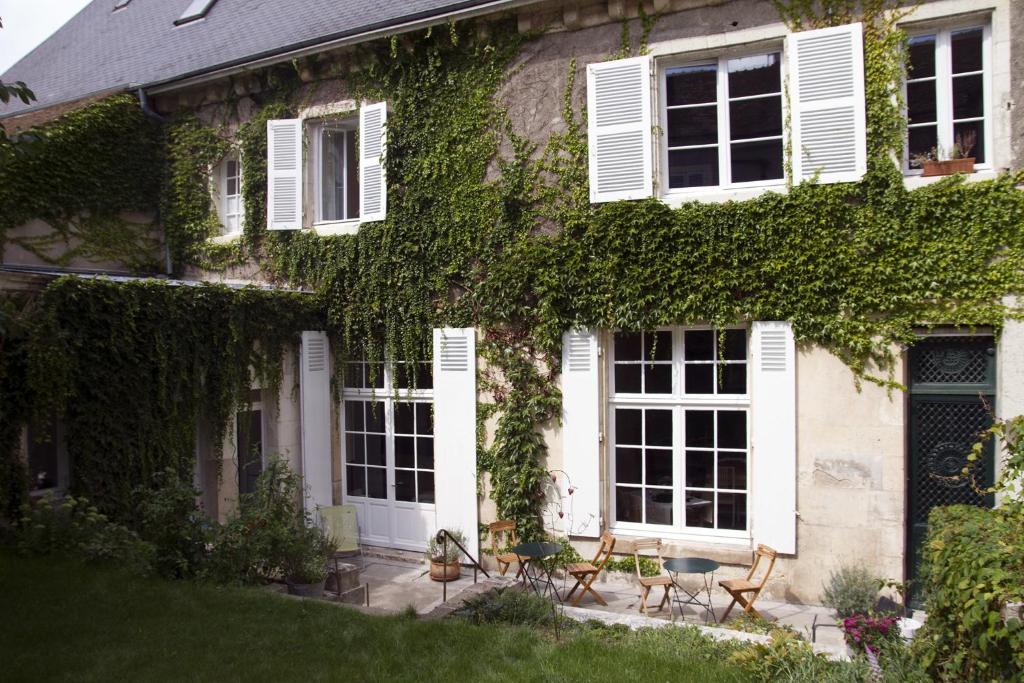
[225, 239]
[328, 228]
[677, 198]
[915, 180]
[725, 550]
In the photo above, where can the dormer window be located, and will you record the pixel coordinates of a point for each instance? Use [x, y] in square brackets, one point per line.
[196, 10]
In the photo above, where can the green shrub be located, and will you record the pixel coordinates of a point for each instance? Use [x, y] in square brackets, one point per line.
[510, 605]
[851, 590]
[73, 526]
[166, 516]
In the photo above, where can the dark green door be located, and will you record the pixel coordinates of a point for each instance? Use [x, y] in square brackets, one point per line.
[952, 394]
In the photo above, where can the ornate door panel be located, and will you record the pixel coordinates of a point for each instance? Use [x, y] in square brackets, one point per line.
[952, 389]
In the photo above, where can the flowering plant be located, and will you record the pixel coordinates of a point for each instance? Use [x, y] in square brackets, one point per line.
[868, 633]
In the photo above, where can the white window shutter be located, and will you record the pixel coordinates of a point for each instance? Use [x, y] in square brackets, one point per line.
[373, 191]
[773, 354]
[315, 406]
[619, 129]
[455, 433]
[581, 431]
[826, 86]
[284, 174]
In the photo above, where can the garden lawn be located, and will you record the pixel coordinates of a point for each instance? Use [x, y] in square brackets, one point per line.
[66, 621]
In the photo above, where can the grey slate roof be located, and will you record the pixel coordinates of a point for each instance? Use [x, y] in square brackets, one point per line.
[99, 49]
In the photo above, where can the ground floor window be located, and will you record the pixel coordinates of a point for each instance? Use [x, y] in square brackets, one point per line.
[249, 438]
[679, 425]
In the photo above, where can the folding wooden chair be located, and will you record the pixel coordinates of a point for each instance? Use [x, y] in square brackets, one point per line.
[648, 583]
[738, 587]
[586, 572]
[503, 535]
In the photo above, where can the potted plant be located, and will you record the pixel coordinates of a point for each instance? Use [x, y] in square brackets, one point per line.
[305, 562]
[444, 562]
[959, 159]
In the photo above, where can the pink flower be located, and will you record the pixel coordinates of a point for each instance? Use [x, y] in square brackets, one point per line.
[561, 514]
[554, 477]
[571, 490]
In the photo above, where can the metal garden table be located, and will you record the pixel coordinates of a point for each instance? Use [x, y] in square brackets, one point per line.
[692, 565]
[529, 554]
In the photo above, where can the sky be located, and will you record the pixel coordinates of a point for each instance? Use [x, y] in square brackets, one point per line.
[28, 23]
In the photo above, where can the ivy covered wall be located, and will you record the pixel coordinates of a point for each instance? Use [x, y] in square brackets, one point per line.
[489, 225]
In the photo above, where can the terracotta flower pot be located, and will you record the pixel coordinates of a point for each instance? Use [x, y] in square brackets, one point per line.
[948, 167]
[444, 571]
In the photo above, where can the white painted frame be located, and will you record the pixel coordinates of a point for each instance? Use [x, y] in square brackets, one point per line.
[720, 58]
[223, 196]
[679, 402]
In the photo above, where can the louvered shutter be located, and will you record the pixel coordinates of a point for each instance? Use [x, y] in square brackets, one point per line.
[581, 431]
[619, 129]
[315, 407]
[284, 174]
[773, 435]
[826, 85]
[455, 433]
[373, 192]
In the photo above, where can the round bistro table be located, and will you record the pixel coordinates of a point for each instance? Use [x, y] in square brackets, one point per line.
[529, 554]
[677, 566]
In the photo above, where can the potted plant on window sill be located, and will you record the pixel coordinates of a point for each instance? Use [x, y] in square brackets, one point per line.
[959, 159]
[444, 562]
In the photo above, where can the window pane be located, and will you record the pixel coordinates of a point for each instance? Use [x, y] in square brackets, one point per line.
[921, 102]
[732, 470]
[355, 448]
[735, 347]
[732, 429]
[627, 504]
[970, 134]
[627, 426]
[627, 379]
[732, 511]
[425, 453]
[694, 126]
[426, 486]
[355, 481]
[404, 418]
[755, 161]
[700, 379]
[760, 118]
[405, 451]
[659, 467]
[354, 375]
[700, 429]
[658, 345]
[659, 506]
[966, 50]
[628, 466]
[374, 416]
[754, 75]
[332, 175]
[700, 509]
[627, 345]
[692, 84]
[968, 96]
[693, 167]
[376, 482]
[700, 469]
[424, 419]
[921, 141]
[700, 345]
[922, 56]
[405, 485]
[659, 428]
[733, 379]
[657, 378]
[375, 454]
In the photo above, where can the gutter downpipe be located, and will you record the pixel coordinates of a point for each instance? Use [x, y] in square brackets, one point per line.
[154, 115]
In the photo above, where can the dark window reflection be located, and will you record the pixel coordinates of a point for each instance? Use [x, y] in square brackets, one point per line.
[967, 46]
[922, 56]
[755, 161]
[754, 75]
[693, 167]
[692, 84]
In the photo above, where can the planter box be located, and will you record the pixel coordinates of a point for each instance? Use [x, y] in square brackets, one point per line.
[948, 167]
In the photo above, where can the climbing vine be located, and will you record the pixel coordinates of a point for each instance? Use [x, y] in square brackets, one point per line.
[488, 229]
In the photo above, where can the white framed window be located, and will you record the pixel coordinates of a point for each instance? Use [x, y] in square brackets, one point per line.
[948, 94]
[228, 178]
[389, 435]
[250, 441]
[679, 430]
[336, 169]
[722, 122]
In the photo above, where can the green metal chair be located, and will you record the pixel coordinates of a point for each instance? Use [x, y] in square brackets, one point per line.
[340, 523]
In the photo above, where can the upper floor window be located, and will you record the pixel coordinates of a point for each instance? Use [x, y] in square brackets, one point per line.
[229, 193]
[947, 101]
[337, 171]
[723, 122]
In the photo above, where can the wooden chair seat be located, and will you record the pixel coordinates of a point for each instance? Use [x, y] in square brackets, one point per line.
[652, 581]
[739, 588]
[580, 568]
[649, 583]
[738, 585]
[507, 557]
